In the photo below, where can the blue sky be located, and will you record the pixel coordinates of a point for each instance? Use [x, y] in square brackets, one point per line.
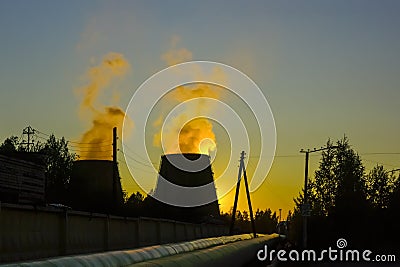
[327, 68]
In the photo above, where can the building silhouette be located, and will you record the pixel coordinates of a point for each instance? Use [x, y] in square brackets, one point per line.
[22, 178]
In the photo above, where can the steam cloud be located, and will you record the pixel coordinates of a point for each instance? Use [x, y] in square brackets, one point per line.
[176, 55]
[183, 134]
[96, 142]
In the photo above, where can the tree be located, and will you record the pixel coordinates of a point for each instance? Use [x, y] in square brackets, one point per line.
[323, 187]
[295, 224]
[10, 145]
[339, 180]
[58, 162]
[349, 171]
[134, 205]
[265, 221]
[337, 195]
[395, 196]
[379, 187]
[393, 216]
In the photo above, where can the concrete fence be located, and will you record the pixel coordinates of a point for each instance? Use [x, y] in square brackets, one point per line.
[28, 233]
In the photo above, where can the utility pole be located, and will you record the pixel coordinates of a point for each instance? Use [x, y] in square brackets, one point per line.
[280, 215]
[242, 169]
[29, 131]
[115, 168]
[305, 208]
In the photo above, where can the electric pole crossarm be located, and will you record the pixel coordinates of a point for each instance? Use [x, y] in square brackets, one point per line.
[28, 131]
[317, 149]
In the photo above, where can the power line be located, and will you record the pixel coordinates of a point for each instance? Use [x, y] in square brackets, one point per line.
[42, 133]
[99, 157]
[136, 155]
[77, 148]
[136, 168]
[94, 146]
[132, 151]
[91, 143]
[94, 151]
[381, 153]
[40, 137]
[381, 163]
[294, 156]
[282, 156]
[132, 158]
[75, 143]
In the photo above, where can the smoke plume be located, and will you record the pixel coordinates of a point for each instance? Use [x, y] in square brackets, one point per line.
[96, 143]
[176, 55]
[183, 134]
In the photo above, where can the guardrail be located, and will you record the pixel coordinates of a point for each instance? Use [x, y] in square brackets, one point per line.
[28, 233]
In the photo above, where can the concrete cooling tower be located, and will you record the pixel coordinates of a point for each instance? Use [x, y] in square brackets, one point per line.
[182, 179]
[95, 187]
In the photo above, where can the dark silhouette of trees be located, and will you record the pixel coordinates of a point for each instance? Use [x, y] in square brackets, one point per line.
[349, 173]
[324, 186]
[134, 205]
[265, 221]
[295, 221]
[393, 215]
[58, 162]
[346, 202]
[338, 181]
[379, 187]
[137, 205]
[10, 145]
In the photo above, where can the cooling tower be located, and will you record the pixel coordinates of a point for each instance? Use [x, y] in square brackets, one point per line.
[186, 171]
[93, 186]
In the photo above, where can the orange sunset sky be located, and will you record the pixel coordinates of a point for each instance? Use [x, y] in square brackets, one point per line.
[326, 68]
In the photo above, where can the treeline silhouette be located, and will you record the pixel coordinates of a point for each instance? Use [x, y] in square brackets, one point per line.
[137, 205]
[265, 221]
[347, 202]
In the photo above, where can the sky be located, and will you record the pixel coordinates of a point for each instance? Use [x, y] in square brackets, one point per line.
[326, 68]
